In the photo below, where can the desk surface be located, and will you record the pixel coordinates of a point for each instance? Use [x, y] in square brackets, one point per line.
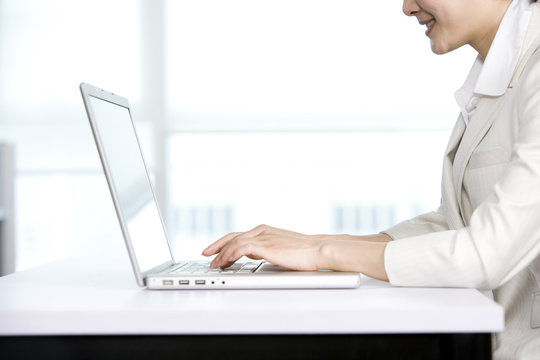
[100, 297]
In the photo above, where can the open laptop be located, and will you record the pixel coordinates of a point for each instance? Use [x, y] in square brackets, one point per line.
[141, 224]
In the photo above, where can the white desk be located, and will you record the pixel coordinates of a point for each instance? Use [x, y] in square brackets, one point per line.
[100, 297]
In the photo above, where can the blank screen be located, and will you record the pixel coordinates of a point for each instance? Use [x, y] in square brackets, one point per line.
[130, 180]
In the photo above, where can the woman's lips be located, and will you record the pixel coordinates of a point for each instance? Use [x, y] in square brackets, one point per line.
[429, 25]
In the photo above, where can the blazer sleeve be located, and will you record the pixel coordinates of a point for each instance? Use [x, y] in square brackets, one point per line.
[423, 224]
[503, 236]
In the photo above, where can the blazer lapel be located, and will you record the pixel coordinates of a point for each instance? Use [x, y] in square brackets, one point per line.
[449, 199]
[478, 126]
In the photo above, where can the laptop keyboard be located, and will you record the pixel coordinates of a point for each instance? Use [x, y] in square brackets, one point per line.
[203, 267]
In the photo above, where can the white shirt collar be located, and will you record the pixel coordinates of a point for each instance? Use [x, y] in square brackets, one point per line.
[492, 76]
[503, 54]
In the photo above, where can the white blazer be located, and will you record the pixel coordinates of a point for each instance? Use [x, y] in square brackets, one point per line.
[486, 233]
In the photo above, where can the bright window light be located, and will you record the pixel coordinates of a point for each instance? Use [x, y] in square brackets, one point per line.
[313, 115]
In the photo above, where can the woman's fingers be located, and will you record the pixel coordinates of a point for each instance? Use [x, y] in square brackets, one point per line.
[216, 247]
[242, 245]
[283, 250]
[261, 242]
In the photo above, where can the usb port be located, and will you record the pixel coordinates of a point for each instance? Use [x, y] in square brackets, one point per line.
[183, 282]
[200, 282]
[167, 282]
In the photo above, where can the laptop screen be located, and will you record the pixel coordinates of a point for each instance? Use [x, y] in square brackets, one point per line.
[130, 180]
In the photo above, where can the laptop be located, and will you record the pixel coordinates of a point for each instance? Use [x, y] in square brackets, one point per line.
[141, 223]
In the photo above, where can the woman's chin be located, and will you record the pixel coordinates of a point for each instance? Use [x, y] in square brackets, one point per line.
[439, 49]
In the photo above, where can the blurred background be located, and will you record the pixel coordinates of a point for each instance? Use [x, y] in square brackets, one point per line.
[314, 115]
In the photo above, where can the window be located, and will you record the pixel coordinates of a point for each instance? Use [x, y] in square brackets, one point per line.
[46, 49]
[319, 116]
[314, 182]
[315, 115]
[305, 64]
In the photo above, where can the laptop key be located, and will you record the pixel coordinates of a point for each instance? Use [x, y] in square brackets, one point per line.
[245, 271]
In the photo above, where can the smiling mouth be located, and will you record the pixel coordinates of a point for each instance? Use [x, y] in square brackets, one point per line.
[429, 26]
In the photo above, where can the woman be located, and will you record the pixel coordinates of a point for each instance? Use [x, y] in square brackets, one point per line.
[486, 233]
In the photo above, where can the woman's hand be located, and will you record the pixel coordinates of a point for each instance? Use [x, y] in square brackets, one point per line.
[280, 247]
[297, 251]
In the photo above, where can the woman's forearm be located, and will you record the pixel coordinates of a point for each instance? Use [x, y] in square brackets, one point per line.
[381, 237]
[358, 256]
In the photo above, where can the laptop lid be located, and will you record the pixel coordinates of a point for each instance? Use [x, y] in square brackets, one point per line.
[129, 182]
